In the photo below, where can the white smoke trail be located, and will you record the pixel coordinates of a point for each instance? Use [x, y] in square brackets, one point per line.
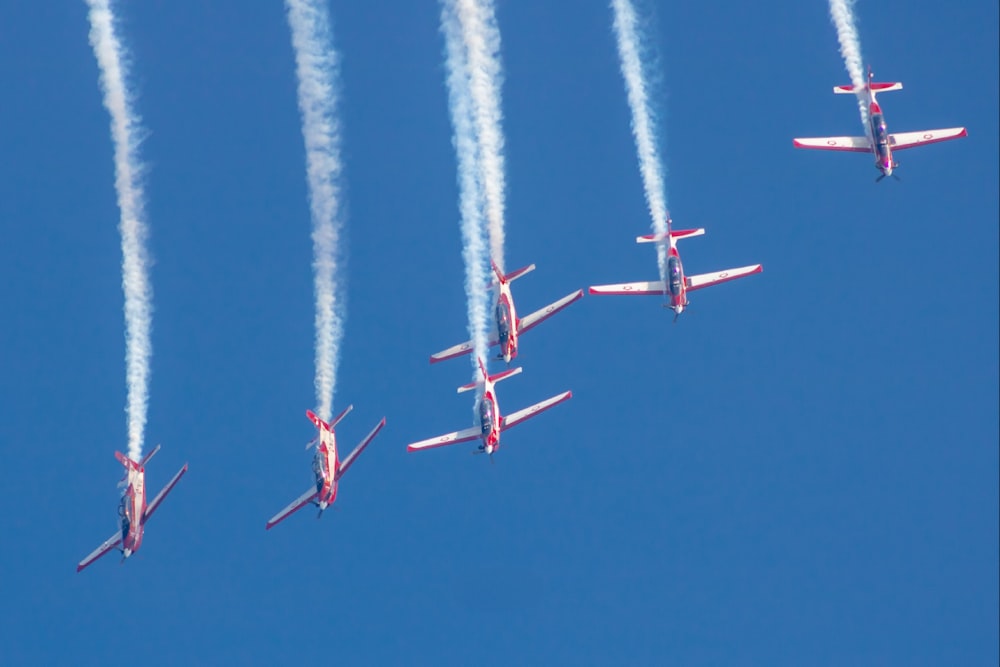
[474, 250]
[317, 69]
[842, 14]
[481, 37]
[643, 121]
[126, 136]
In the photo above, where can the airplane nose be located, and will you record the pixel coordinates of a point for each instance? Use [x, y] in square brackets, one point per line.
[678, 309]
[126, 553]
[323, 505]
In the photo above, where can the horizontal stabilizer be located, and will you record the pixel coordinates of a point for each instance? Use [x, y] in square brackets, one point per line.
[503, 375]
[903, 140]
[453, 438]
[877, 87]
[513, 275]
[850, 144]
[676, 234]
[648, 288]
[516, 418]
[145, 459]
[542, 314]
[709, 279]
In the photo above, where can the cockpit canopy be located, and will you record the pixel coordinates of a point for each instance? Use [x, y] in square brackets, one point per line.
[486, 416]
[674, 277]
[880, 129]
[503, 321]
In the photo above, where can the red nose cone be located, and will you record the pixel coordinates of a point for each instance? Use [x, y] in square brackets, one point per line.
[875, 108]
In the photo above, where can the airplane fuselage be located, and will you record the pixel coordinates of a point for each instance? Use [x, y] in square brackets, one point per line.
[676, 291]
[324, 467]
[489, 420]
[131, 510]
[506, 321]
[880, 139]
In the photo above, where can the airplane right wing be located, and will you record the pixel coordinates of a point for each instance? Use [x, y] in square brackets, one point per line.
[515, 418]
[709, 279]
[852, 144]
[108, 545]
[654, 288]
[346, 463]
[151, 507]
[548, 311]
[448, 439]
[910, 139]
[295, 505]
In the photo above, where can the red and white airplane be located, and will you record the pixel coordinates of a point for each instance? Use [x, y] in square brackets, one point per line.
[491, 422]
[133, 512]
[879, 142]
[327, 467]
[678, 285]
[508, 326]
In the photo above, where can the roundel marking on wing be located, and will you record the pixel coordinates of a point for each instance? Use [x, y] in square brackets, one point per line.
[928, 135]
[831, 142]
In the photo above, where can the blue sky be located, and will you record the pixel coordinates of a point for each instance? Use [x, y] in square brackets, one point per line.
[802, 470]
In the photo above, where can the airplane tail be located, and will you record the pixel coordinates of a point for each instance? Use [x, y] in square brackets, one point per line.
[513, 275]
[675, 234]
[874, 87]
[503, 375]
[320, 424]
[130, 464]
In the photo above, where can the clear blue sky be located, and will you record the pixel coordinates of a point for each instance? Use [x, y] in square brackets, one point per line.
[802, 470]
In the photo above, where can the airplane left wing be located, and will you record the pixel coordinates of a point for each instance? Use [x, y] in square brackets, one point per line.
[151, 507]
[548, 311]
[515, 418]
[108, 545]
[447, 439]
[911, 139]
[709, 279]
[852, 144]
[656, 287]
[295, 505]
[346, 463]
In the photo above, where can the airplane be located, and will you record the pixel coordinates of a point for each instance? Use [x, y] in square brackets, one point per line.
[884, 143]
[327, 467]
[508, 326]
[491, 422]
[678, 285]
[133, 512]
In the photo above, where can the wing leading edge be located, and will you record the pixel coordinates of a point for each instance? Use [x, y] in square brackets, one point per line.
[452, 438]
[107, 546]
[293, 507]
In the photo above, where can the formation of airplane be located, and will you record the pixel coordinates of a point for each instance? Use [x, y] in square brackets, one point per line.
[677, 285]
[507, 325]
[326, 466]
[879, 142]
[491, 422]
[133, 512]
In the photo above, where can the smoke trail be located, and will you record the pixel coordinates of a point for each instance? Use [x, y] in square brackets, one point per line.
[126, 136]
[842, 14]
[474, 249]
[643, 122]
[481, 37]
[317, 69]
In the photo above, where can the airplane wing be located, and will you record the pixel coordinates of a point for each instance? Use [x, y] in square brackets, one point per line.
[151, 507]
[108, 545]
[709, 279]
[515, 418]
[548, 311]
[853, 144]
[448, 439]
[346, 463]
[911, 139]
[656, 287]
[295, 505]
[460, 349]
